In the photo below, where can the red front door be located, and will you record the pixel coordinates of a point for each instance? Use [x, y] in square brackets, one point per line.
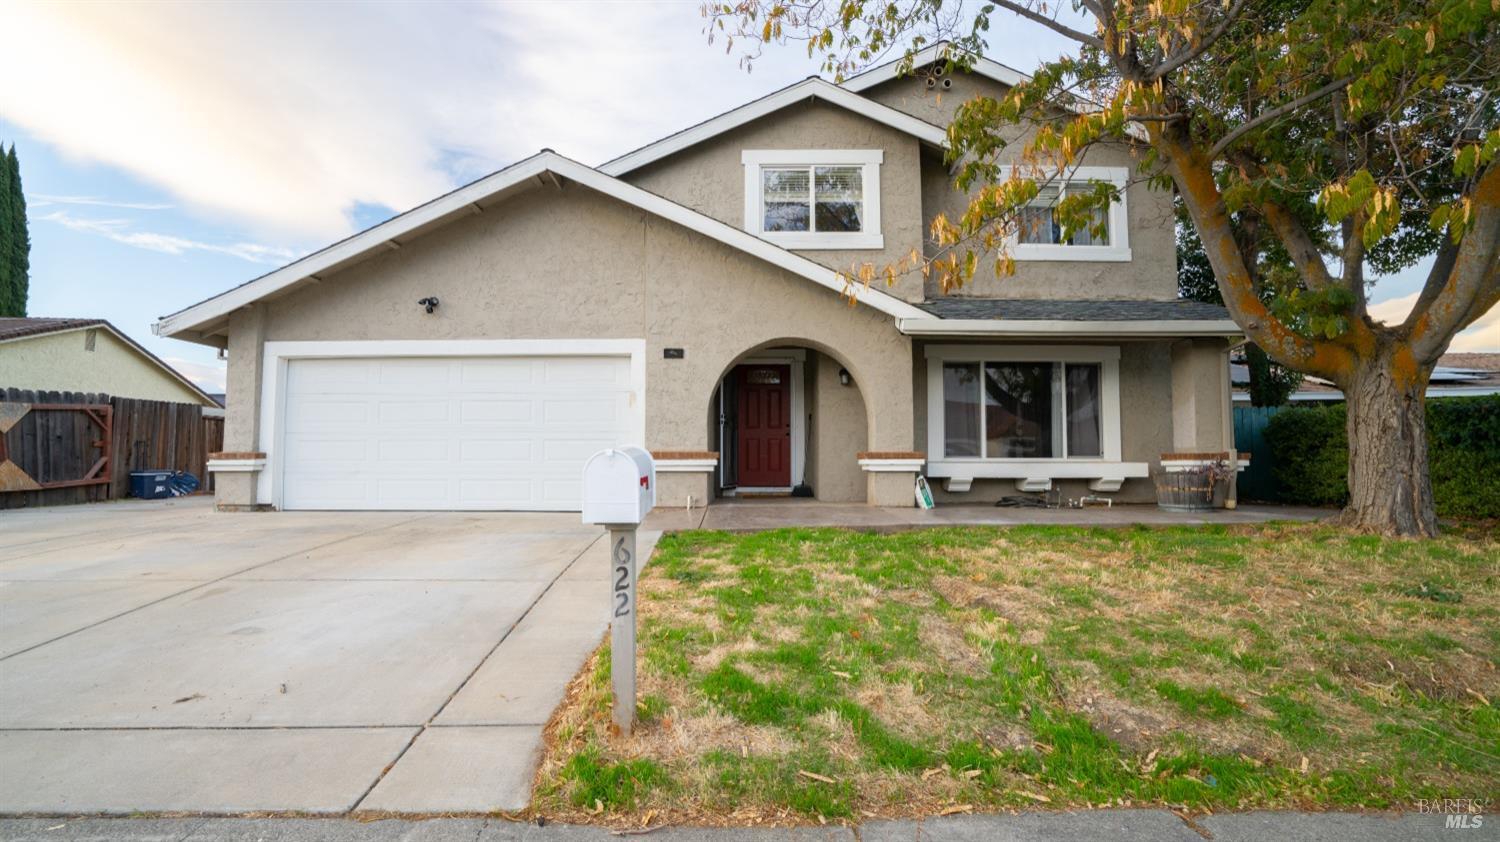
[765, 425]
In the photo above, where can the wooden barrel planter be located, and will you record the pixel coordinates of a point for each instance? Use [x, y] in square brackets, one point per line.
[1186, 491]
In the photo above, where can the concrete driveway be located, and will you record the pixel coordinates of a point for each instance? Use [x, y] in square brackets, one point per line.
[162, 656]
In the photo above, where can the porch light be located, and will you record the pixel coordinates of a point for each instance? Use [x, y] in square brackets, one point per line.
[844, 377]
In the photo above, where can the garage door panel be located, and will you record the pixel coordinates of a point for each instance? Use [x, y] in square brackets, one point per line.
[513, 411]
[519, 371]
[315, 414]
[584, 370]
[449, 433]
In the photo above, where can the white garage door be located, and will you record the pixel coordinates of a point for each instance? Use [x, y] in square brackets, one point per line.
[449, 433]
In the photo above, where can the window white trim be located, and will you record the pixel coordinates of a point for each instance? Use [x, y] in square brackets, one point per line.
[869, 160]
[276, 356]
[1107, 465]
[1118, 250]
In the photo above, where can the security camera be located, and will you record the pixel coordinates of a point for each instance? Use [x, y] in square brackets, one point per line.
[430, 303]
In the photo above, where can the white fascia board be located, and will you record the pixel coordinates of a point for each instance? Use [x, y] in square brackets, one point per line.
[930, 325]
[891, 69]
[375, 238]
[227, 302]
[990, 68]
[814, 87]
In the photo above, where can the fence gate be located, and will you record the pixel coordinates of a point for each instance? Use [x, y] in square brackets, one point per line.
[1258, 481]
[63, 468]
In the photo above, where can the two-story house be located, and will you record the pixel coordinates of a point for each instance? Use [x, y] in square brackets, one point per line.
[473, 351]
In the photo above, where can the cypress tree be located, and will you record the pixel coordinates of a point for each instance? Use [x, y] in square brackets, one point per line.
[8, 286]
[20, 239]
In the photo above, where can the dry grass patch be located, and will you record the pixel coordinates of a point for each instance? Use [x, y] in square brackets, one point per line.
[806, 674]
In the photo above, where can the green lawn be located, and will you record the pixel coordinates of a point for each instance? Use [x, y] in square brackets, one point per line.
[819, 673]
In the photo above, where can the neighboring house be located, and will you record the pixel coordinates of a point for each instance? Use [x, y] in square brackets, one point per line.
[88, 355]
[686, 295]
[1456, 375]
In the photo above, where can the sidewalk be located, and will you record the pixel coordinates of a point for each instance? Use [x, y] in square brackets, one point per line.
[1100, 825]
[776, 513]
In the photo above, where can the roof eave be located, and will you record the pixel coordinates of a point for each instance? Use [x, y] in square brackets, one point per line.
[816, 88]
[1060, 328]
[190, 322]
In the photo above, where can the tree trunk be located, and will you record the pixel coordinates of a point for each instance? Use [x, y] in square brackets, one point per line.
[1389, 487]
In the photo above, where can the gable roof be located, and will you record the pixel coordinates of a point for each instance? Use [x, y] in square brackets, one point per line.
[867, 79]
[810, 88]
[989, 68]
[472, 198]
[15, 329]
[21, 327]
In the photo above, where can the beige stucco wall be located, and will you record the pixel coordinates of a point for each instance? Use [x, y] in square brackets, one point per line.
[572, 263]
[710, 178]
[62, 362]
[838, 431]
[1151, 272]
[1200, 389]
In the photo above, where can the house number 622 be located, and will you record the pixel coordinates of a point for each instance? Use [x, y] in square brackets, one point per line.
[623, 565]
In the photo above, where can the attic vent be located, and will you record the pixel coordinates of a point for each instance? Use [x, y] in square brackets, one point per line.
[89, 337]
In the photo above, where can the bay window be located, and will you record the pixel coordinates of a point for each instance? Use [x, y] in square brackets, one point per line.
[1023, 403]
[1021, 410]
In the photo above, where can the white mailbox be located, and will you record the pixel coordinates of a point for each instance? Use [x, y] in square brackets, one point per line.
[619, 486]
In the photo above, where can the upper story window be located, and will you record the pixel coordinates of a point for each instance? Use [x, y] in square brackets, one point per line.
[1040, 236]
[814, 198]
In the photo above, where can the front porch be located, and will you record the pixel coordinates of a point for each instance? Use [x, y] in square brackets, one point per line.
[753, 515]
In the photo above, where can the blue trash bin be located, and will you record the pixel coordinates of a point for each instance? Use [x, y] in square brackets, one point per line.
[151, 485]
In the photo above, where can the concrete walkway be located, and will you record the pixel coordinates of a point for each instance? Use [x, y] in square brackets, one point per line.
[160, 656]
[1087, 826]
[776, 512]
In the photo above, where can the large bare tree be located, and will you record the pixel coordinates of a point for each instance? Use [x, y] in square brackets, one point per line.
[1356, 134]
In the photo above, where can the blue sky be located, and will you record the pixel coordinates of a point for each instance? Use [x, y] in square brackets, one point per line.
[170, 151]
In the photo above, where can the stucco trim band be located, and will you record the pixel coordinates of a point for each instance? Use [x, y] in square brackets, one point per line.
[232, 466]
[891, 465]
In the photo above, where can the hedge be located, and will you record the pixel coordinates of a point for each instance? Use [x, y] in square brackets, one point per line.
[1310, 452]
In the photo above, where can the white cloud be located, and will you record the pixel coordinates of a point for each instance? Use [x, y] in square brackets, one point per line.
[208, 376]
[1482, 335]
[37, 200]
[119, 231]
[286, 116]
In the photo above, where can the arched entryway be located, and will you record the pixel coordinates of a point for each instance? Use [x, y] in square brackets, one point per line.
[788, 419]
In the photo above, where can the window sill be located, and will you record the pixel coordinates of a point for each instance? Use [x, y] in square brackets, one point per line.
[1074, 254]
[805, 241]
[1036, 469]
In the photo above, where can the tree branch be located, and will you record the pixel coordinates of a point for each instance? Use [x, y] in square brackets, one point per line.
[1299, 245]
[1280, 110]
[1193, 175]
[1473, 284]
[1170, 64]
[1062, 29]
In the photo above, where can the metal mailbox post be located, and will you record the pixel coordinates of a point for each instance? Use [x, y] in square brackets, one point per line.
[619, 489]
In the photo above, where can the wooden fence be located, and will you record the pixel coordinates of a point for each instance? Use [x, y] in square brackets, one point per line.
[57, 445]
